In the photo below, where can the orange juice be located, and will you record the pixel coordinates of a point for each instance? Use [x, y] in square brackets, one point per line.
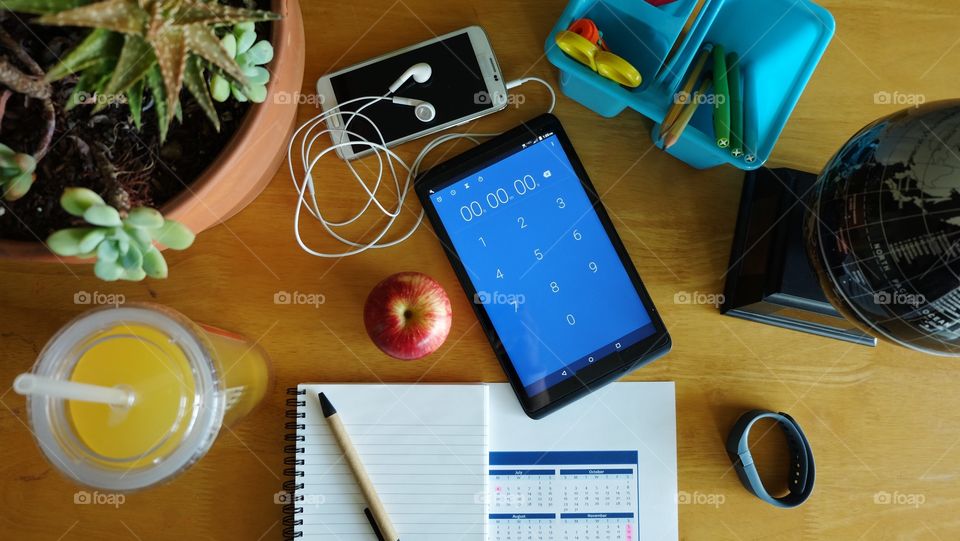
[159, 375]
[187, 381]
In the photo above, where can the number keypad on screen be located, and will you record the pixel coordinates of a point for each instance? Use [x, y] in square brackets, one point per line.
[536, 252]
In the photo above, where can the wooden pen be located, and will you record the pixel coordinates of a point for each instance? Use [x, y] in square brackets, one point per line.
[376, 513]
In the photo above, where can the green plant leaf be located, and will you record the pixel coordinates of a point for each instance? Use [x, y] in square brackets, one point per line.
[229, 43]
[261, 53]
[132, 258]
[18, 162]
[123, 241]
[134, 275]
[97, 46]
[245, 39]
[66, 242]
[135, 99]
[219, 88]
[107, 251]
[40, 7]
[142, 237]
[125, 16]
[155, 84]
[18, 186]
[26, 162]
[136, 58]
[144, 217]
[154, 264]
[91, 240]
[257, 75]
[102, 215]
[6, 153]
[109, 271]
[218, 14]
[174, 235]
[193, 80]
[256, 93]
[170, 46]
[203, 42]
[76, 201]
[238, 94]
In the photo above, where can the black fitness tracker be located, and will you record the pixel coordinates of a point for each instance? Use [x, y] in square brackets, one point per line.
[802, 470]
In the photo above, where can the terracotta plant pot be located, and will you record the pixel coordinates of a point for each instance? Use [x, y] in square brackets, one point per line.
[251, 158]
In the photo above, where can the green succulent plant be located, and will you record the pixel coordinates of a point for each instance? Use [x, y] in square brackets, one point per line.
[16, 173]
[138, 44]
[242, 45]
[123, 245]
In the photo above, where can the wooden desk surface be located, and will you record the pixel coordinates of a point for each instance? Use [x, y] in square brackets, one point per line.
[882, 421]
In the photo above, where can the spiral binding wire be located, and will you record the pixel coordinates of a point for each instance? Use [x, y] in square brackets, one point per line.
[292, 449]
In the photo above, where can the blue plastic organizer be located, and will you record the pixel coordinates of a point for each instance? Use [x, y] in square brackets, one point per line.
[780, 43]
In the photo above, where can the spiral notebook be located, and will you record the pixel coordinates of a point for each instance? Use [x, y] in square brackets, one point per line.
[424, 447]
[463, 463]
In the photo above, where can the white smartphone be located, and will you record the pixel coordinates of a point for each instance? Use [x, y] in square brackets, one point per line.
[466, 83]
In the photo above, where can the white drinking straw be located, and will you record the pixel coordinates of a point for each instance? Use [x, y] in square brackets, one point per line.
[30, 384]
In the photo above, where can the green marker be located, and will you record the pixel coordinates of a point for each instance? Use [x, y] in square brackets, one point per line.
[735, 81]
[750, 125]
[721, 94]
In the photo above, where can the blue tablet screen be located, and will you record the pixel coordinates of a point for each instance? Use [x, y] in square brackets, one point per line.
[542, 264]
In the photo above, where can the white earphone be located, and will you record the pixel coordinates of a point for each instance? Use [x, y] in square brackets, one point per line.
[307, 187]
[420, 72]
[424, 111]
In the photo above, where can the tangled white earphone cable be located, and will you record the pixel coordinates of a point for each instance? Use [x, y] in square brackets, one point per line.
[309, 157]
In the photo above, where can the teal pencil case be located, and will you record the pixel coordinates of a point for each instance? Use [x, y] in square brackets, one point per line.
[780, 43]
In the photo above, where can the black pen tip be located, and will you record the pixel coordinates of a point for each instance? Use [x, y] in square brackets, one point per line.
[326, 406]
[374, 525]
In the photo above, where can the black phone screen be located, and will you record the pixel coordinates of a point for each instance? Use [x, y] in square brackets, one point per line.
[456, 89]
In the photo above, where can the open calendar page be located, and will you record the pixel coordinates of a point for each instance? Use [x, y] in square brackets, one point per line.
[602, 470]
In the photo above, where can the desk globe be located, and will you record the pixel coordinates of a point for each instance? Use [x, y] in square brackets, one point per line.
[883, 228]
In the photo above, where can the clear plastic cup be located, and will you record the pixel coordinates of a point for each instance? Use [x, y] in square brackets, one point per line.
[188, 380]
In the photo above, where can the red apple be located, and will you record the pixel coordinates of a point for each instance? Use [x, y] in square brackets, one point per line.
[408, 315]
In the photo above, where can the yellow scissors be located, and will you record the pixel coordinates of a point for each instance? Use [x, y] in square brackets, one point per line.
[604, 62]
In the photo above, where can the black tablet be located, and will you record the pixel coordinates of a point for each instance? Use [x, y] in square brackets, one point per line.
[536, 253]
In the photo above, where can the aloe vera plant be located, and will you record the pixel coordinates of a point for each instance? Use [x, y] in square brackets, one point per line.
[158, 45]
[242, 45]
[16, 173]
[124, 245]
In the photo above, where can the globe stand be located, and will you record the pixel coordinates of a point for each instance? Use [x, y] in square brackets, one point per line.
[770, 278]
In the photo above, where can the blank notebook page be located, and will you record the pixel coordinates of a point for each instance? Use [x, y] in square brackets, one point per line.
[424, 447]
